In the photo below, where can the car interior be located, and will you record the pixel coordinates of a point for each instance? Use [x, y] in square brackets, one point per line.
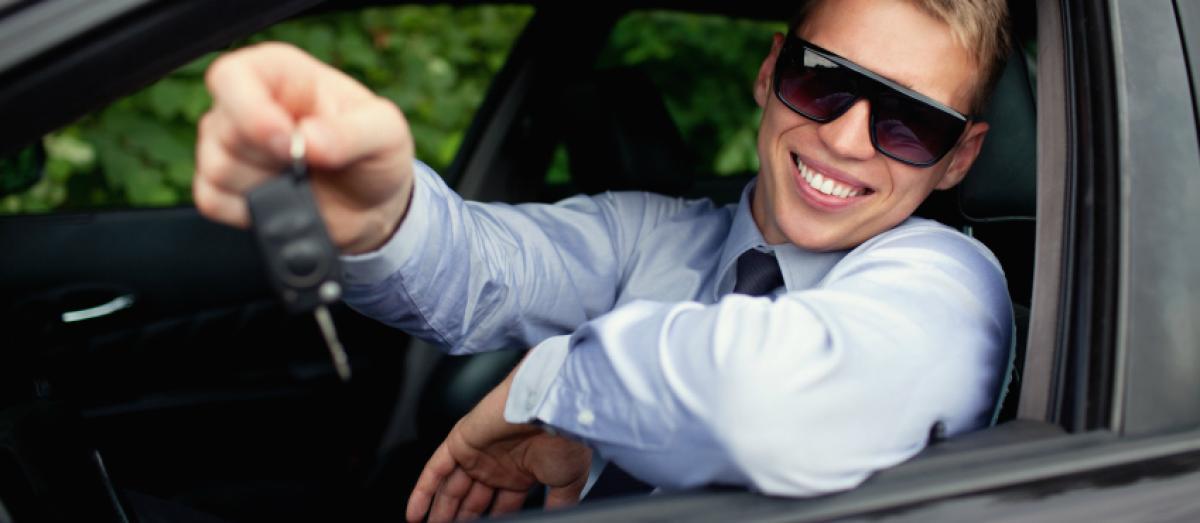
[205, 393]
[624, 138]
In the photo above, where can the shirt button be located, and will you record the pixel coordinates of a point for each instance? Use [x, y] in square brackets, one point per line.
[586, 417]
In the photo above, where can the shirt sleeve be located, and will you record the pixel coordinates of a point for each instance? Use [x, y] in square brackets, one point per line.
[805, 394]
[474, 277]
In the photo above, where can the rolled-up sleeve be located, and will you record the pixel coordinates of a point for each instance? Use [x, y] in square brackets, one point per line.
[804, 394]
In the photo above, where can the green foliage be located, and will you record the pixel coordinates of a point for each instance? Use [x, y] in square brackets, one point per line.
[20, 170]
[705, 67]
[434, 62]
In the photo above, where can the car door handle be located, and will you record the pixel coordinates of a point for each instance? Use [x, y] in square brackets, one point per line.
[110, 307]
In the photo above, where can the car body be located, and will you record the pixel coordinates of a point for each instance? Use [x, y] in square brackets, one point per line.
[205, 393]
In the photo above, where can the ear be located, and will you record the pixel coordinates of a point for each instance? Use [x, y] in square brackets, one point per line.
[762, 84]
[963, 156]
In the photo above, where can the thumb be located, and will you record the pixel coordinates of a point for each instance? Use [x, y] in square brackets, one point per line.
[371, 128]
[256, 89]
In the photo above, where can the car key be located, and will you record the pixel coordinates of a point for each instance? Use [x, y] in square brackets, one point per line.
[302, 262]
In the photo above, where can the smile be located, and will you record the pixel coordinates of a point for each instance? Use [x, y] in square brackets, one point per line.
[827, 188]
[827, 185]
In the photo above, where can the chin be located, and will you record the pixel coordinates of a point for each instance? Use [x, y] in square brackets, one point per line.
[810, 237]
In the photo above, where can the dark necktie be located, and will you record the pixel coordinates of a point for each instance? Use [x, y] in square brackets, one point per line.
[757, 273]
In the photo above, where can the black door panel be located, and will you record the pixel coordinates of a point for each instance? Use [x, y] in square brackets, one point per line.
[158, 328]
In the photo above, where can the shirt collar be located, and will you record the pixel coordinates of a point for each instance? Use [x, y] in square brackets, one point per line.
[802, 269]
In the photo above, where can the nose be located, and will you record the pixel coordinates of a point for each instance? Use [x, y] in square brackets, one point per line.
[849, 135]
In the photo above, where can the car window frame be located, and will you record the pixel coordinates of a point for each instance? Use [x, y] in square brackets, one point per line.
[1072, 342]
[1159, 146]
[499, 122]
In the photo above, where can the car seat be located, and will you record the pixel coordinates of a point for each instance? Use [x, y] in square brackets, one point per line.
[625, 139]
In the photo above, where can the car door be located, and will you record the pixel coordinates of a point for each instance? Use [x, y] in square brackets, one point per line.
[145, 336]
[1097, 424]
[1106, 424]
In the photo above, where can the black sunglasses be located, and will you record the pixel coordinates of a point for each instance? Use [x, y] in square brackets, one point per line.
[905, 125]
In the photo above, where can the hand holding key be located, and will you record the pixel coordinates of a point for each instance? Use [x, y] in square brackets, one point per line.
[358, 144]
[301, 261]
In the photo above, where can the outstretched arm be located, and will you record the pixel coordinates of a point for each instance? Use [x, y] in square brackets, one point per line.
[476, 277]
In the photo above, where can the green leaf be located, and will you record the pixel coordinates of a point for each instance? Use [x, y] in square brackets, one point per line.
[168, 97]
[355, 51]
[121, 169]
[198, 66]
[180, 175]
[435, 62]
[161, 148]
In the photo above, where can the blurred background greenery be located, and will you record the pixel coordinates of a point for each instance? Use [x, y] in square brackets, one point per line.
[435, 63]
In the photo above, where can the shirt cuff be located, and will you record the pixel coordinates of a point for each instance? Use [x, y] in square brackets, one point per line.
[537, 374]
[375, 266]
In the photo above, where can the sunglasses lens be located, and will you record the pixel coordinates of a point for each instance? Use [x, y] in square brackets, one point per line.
[820, 88]
[816, 87]
[912, 131]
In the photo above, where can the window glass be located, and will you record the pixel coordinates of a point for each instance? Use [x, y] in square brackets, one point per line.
[434, 62]
[704, 66]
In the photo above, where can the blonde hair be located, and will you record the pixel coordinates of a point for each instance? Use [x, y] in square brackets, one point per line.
[980, 26]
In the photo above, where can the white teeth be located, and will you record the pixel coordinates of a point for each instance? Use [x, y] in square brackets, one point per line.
[825, 185]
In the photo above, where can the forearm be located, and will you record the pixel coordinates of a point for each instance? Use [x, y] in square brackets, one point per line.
[806, 394]
[476, 277]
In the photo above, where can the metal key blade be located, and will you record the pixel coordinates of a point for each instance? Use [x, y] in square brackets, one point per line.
[330, 291]
[297, 151]
[325, 322]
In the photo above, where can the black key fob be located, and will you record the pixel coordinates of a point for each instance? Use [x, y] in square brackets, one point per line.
[301, 260]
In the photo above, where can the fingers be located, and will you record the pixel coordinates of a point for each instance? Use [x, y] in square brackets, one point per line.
[567, 496]
[367, 129]
[266, 88]
[219, 131]
[245, 86]
[219, 205]
[508, 501]
[358, 143]
[225, 162]
[476, 501]
[450, 496]
[221, 179]
[437, 469]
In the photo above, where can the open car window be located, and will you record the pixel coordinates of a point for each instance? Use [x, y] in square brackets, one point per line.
[434, 62]
[703, 66]
[1107, 395]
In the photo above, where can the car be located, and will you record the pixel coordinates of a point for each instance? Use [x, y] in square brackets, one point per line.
[146, 365]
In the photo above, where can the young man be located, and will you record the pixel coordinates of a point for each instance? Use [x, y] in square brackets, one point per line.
[793, 343]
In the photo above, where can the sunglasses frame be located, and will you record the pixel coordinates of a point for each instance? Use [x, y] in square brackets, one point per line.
[794, 48]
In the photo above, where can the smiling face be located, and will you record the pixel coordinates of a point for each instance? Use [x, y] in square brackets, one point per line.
[825, 186]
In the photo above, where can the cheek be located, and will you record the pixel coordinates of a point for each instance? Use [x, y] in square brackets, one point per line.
[768, 131]
[776, 120]
[911, 183]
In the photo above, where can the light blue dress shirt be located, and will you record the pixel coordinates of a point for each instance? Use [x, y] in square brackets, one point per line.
[640, 350]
